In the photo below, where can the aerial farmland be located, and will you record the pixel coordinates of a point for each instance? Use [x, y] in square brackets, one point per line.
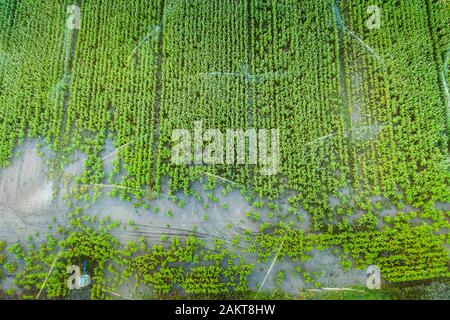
[224, 149]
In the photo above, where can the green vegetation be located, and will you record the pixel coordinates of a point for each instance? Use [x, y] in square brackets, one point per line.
[363, 117]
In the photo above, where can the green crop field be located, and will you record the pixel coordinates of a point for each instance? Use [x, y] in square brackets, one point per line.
[357, 90]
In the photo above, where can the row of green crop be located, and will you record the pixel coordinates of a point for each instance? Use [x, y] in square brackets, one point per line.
[191, 268]
[32, 79]
[161, 270]
[358, 110]
[204, 79]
